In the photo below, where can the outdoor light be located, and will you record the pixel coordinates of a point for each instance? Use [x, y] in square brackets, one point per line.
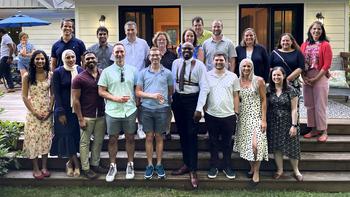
[102, 20]
[320, 17]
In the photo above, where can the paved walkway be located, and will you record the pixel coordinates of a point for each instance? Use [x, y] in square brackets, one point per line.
[15, 110]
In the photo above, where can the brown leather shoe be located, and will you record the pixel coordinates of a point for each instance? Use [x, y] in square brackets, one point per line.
[183, 170]
[194, 179]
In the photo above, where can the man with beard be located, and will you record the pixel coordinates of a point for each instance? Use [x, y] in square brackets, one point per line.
[219, 43]
[67, 41]
[116, 85]
[191, 89]
[102, 49]
[221, 114]
[90, 110]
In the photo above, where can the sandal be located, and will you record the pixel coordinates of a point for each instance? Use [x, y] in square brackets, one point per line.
[46, 173]
[312, 134]
[277, 176]
[69, 169]
[38, 177]
[323, 138]
[298, 177]
[76, 172]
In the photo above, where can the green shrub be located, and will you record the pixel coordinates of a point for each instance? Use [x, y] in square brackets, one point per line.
[9, 134]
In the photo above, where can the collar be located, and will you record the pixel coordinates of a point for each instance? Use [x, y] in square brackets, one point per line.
[99, 45]
[128, 42]
[189, 60]
[212, 73]
[161, 68]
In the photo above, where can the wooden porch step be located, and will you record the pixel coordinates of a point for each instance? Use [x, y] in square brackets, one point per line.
[310, 161]
[313, 181]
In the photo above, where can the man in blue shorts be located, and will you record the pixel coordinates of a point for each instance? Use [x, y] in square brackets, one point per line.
[155, 88]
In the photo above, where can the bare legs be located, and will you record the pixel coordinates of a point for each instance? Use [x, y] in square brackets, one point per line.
[149, 147]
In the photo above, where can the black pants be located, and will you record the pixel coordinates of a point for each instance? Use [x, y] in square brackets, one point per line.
[184, 107]
[222, 128]
[5, 71]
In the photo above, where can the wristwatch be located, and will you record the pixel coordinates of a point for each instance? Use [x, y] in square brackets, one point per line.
[294, 125]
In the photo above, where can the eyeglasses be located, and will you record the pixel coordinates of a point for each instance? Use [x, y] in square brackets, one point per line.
[122, 79]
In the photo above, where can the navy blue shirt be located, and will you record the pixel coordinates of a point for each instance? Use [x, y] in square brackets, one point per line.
[74, 44]
[294, 59]
[259, 58]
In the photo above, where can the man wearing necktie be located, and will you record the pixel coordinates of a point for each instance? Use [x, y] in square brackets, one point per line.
[191, 89]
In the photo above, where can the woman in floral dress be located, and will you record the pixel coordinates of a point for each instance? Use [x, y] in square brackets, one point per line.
[38, 98]
[282, 119]
[250, 141]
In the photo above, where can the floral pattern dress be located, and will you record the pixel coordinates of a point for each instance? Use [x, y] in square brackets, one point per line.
[38, 133]
[250, 122]
[279, 122]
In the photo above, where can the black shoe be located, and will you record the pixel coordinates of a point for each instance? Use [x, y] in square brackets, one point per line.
[252, 184]
[99, 169]
[89, 174]
[167, 136]
[230, 174]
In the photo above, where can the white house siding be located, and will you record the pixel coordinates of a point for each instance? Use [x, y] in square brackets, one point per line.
[336, 24]
[19, 4]
[87, 22]
[225, 12]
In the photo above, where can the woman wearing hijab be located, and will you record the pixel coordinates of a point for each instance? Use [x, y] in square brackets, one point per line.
[66, 126]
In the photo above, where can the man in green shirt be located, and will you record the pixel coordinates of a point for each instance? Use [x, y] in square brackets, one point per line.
[201, 33]
[116, 85]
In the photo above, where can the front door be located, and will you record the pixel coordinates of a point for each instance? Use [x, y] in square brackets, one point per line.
[151, 19]
[271, 20]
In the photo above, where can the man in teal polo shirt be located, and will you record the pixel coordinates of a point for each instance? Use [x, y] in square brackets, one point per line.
[116, 85]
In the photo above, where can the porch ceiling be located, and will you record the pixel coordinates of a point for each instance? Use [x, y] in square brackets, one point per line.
[63, 4]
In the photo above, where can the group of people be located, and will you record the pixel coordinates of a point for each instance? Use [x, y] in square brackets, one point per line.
[241, 91]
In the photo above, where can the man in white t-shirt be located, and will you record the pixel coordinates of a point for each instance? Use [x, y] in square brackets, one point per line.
[6, 52]
[221, 113]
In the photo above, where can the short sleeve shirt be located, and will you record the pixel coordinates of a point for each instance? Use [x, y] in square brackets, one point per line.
[210, 47]
[74, 44]
[29, 49]
[111, 78]
[5, 40]
[155, 82]
[220, 97]
[103, 54]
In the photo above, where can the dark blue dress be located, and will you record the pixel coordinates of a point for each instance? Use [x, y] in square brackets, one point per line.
[65, 142]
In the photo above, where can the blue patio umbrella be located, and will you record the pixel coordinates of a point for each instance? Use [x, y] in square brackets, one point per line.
[20, 20]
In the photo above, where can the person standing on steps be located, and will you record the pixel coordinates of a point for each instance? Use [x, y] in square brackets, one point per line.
[221, 114]
[116, 85]
[155, 88]
[191, 89]
[90, 109]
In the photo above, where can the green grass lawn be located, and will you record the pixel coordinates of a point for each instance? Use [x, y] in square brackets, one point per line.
[136, 192]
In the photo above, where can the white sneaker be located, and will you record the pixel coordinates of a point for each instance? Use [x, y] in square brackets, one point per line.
[130, 174]
[121, 137]
[111, 172]
[140, 133]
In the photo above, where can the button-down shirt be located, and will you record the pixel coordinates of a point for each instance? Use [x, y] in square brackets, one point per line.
[136, 53]
[92, 104]
[210, 47]
[220, 98]
[103, 54]
[198, 75]
[155, 82]
[111, 78]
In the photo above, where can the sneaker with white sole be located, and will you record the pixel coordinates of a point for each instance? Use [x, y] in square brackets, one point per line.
[140, 133]
[121, 137]
[130, 173]
[111, 172]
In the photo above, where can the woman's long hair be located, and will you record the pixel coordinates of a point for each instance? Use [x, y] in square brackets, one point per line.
[252, 77]
[323, 36]
[194, 36]
[272, 85]
[32, 66]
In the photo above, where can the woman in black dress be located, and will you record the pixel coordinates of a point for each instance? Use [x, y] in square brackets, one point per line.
[282, 119]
